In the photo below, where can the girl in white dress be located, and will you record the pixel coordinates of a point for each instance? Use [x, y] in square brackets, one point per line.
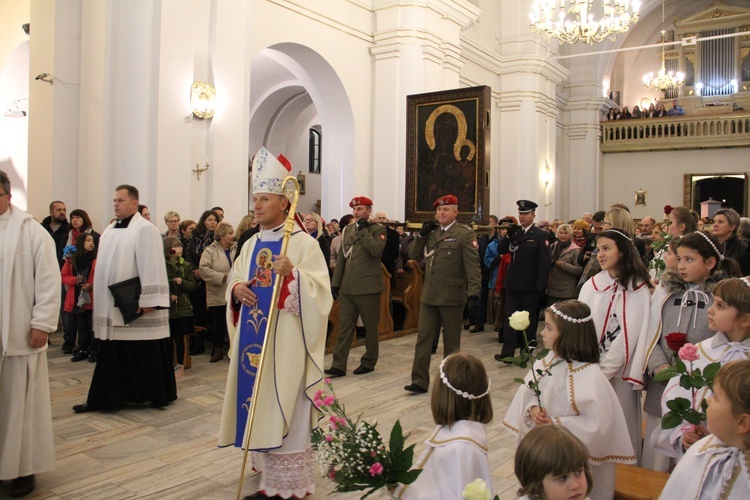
[575, 394]
[620, 299]
[456, 452]
[679, 305]
[718, 466]
[552, 463]
[729, 317]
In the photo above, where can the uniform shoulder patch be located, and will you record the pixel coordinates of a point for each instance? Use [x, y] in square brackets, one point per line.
[474, 243]
[546, 242]
[382, 236]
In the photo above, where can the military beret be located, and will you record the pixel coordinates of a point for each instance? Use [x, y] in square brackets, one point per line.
[360, 200]
[526, 206]
[448, 199]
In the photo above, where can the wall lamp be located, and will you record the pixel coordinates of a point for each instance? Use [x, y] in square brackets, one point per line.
[203, 99]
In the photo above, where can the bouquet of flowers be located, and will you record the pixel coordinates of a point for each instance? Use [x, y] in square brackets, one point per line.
[352, 453]
[682, 409]
[519, 320]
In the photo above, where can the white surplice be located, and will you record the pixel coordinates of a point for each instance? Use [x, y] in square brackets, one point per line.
[579, 397]
[125, 253]
[710, 470]
[454, 456]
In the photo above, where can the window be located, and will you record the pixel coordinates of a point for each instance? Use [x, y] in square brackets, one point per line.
[314, 152]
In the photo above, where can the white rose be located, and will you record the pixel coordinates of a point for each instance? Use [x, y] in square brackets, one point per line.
[476, 490]
[519, 320]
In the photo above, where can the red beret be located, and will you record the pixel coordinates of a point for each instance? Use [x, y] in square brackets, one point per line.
[360, 200]
[448, 199]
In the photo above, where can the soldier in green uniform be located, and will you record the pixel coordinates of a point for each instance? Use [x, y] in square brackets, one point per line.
[358, 283]
[452, 273]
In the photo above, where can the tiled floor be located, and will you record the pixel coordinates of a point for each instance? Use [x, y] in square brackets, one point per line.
[172, 452]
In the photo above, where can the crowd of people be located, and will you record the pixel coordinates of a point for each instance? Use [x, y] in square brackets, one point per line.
[653, 111]
[611, 294]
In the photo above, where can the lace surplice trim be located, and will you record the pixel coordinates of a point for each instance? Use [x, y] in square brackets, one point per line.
[287, 474]
[155, 290]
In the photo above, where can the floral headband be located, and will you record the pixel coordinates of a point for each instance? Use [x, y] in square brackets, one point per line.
[463, 394]
[716, 250]
[569, 318]
[745, 281]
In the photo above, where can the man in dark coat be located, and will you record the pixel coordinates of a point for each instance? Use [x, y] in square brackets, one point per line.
[526, 278]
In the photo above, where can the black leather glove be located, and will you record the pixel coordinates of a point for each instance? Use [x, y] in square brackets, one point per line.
[335, 292]
[362, 223]
[427, 227]
[473, 305]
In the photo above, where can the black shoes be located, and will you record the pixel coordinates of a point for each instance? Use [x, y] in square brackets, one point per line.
[415, 389]
[477, 329]
[84, 408]
[93, 357]
[22, 486]
[334, 372]
[67, 348]
[361, 370]
[79, 356]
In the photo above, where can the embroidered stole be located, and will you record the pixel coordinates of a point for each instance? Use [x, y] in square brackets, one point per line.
[253, 327]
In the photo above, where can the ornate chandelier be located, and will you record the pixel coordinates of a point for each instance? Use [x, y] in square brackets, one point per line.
[664, 80]
[549, 17]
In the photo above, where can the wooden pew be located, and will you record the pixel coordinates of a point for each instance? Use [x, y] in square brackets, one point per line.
[410, 297]
[635, 483]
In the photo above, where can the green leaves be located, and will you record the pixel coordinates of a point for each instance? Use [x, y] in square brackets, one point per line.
[671, 420]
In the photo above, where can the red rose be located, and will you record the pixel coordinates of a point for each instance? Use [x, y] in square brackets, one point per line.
[667, 209]
[676, 340]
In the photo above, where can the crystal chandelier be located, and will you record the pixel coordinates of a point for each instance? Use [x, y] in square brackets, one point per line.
[549, 18]
[664, 80]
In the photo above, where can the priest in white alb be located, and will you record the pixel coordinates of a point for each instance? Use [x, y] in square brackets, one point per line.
[294, 343]
[29, 307]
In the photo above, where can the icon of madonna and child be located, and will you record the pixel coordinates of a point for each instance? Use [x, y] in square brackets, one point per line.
[263, 273]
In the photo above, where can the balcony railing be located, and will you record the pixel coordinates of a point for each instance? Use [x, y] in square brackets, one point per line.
[684, 132]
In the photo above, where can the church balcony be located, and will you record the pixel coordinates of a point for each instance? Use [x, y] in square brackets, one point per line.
[670, 133]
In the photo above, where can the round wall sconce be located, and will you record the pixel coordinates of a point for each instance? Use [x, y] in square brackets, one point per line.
[203, 99]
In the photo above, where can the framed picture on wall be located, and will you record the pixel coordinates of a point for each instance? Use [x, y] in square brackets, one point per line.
[448, 152]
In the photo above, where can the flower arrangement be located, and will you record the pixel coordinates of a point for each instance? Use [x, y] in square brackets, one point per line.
[682, 409]
[519, 320]
[352, 453]
[477, 490]
[659, 247]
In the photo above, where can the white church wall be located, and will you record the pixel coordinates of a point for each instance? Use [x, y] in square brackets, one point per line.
[661, 175]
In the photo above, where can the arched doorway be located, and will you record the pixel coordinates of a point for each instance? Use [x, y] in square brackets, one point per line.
[294, 89]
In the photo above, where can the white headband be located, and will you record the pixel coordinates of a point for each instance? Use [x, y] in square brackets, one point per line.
[721, 257]
[463, 394]
[569, 318]
[745, 281]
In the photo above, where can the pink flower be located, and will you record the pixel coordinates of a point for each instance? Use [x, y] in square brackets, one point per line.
[334, 423]
[328, 401]
[332, 474]
[329, 438]
[373, 453]
[376, 469]
[318, 394]
[328, 381]
[689, 352]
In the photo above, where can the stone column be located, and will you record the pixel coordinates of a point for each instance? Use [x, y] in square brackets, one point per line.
[416, 49]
